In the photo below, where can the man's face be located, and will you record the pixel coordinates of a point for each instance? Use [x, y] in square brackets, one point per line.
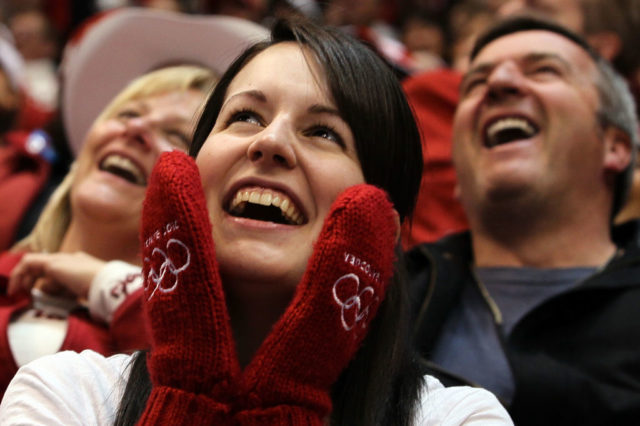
[526, 124]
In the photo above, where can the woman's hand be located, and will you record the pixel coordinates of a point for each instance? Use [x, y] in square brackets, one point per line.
[192, 362]
[290, 377]
[58, 274]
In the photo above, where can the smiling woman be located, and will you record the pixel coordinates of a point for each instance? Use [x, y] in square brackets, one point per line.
[273, 290]
[93, 217]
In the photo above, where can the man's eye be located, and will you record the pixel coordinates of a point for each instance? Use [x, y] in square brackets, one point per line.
[546, 69]
[472, 84]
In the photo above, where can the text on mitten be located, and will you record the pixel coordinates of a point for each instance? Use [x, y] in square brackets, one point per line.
[362, 265]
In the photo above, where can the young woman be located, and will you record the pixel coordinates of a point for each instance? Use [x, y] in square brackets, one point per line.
[299, 314]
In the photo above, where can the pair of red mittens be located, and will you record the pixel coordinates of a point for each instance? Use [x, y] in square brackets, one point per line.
[193, 366]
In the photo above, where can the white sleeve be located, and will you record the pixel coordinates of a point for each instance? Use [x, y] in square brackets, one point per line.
[458, 405]
[66, 388]
[110, 287]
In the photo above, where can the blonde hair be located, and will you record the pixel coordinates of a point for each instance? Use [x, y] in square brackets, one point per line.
[54, 220]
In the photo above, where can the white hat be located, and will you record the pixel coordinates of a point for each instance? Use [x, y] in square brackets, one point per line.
[128, 42]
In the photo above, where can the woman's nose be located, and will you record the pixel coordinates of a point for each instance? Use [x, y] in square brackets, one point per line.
[273, 146]
[138, 130]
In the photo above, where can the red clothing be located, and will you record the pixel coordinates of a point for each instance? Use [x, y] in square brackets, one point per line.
[23, 174]
[125, 333]
[433, 96]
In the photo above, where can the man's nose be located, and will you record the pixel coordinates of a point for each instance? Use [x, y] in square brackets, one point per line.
[505, 80]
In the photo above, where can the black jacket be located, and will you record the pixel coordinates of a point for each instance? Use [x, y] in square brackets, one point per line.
[575, 358]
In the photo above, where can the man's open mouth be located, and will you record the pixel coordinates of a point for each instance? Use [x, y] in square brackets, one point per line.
[123, 167]
[266, 205]
[508, 129]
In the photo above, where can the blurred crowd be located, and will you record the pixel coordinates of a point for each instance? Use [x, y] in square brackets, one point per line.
[418, 37]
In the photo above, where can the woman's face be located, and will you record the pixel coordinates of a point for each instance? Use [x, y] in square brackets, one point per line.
[278, 156]
[120, 151]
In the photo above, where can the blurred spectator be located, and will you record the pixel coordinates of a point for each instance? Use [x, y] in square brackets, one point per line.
[362, 19]
[434, 97]
[11, 81]
[425, 40]
[25, 157]
[611, 27]
[36, 40]
[537, 302]
[568, 13]
[608, 25]
[467, 19]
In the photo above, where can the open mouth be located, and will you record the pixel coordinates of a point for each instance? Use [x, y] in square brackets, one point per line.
[123, 167]
[266, 205]
[509, 129]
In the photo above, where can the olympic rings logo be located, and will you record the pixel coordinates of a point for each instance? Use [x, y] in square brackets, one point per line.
[353, 302]
[167, 265]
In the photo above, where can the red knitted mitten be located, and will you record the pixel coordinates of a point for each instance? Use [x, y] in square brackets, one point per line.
[289, 379]
[192, 362]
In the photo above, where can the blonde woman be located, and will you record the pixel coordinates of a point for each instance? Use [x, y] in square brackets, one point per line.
[61, 292]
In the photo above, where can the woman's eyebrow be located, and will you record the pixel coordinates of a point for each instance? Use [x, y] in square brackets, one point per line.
[255, 94]
[324, 109]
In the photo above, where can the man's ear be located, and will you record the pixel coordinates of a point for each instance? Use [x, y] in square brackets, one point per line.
[617, 149]
[606, 43]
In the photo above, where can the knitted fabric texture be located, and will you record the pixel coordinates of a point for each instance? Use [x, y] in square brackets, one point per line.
[321, 330]
[192, 344]
[192, 362]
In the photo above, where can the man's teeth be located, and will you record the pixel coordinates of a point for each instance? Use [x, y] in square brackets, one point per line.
[508, 129]
[124, 167]
[265, 197]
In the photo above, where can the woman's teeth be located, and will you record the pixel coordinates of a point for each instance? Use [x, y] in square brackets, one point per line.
[268, 198]
[123, 167]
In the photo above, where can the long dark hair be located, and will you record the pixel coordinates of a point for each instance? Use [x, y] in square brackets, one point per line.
[381, 384]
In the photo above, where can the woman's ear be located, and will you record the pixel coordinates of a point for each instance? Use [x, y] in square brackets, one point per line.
[617, 149]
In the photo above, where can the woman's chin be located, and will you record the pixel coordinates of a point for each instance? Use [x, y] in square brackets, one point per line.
[262, 273]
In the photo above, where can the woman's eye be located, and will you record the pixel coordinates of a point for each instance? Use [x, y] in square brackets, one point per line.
[128, 113]
[178, 138]
[326, 132]
[245, 117]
